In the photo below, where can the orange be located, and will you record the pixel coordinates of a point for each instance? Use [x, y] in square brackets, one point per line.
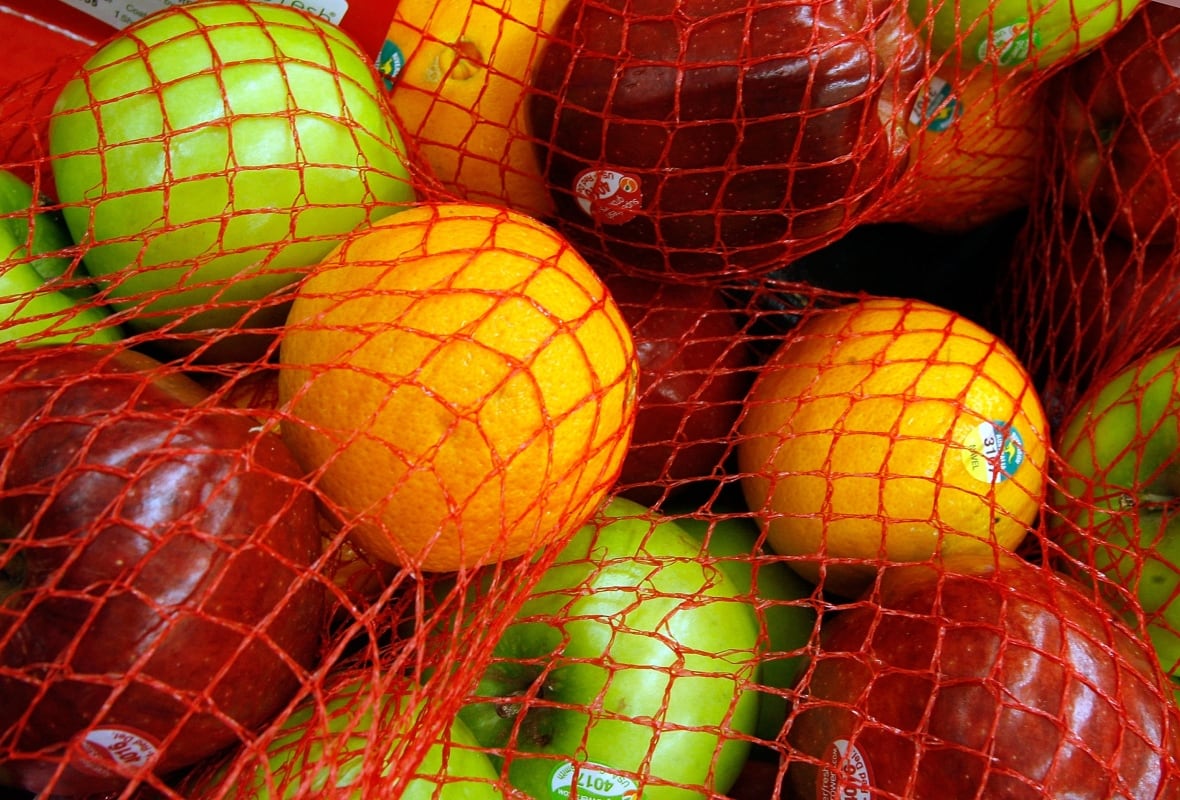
[459, 73]
[974, 147]
[459, 384]
[890, 430]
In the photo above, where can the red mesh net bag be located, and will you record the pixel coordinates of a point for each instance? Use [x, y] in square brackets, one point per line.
[540, 407]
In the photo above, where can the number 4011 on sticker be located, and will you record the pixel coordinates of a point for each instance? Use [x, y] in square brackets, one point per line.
[121, 13]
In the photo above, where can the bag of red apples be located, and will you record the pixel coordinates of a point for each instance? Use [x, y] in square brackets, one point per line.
[594, 399]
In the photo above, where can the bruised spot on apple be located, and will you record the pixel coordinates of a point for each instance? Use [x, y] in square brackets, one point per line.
[982, 677]
[158, 554]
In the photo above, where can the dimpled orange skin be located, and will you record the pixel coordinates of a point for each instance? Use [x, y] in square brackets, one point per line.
[863, 441]
[460, 94]
[459, 384]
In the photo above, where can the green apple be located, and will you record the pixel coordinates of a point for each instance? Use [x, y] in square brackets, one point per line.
[32, 243]
[356, 740]
[1018, 33]
[28, 231]
[211, 152]
[780, 598]
[31, 314]
[1117, 500]
[630, 669]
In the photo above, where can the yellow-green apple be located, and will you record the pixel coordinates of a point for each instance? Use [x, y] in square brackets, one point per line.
[34, 246]
[723, 139]
[1118, 491]
[982, 676]
[157, 591]
[208, 154]
[629, 670]
[1116, 128]
[974, 144]
[29, 230]
[31, 314]
[357, 736]
[1015, 34]
[780, 597]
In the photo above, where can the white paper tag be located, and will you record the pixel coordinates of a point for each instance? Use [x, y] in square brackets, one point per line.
[121, 13]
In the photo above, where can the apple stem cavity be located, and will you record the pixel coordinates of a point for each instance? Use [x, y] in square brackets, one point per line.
[509, 709]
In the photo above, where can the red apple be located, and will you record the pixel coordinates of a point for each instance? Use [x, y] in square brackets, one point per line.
[719, 137]
[155, 549]
[1116, 116]
[983, 678]
[694, 372]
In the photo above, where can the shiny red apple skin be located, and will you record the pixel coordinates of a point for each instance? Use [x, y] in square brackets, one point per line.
[694, 372]
[158, 549]
[745, 134]
[995, 679]
[1116, 116]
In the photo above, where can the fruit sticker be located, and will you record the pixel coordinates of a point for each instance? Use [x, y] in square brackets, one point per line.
[116, 746]
[390, 62]
[1011, 44]
[589, 781]
[845, 775]
[938, 109]
[994, 451]
[608, 196]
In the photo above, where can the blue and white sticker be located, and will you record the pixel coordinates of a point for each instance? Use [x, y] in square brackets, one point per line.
[938, 109]
[592, 782]
[993, 451]
[390, 62]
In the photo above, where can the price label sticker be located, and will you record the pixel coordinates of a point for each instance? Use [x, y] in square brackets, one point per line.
[121, 13]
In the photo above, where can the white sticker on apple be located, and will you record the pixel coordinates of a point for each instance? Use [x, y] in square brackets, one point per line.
[994, 451]
[118, 746]
[607, 195]
[846, 775]
[592, 781]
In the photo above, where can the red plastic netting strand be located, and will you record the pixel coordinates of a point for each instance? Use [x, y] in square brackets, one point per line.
[581, 398]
